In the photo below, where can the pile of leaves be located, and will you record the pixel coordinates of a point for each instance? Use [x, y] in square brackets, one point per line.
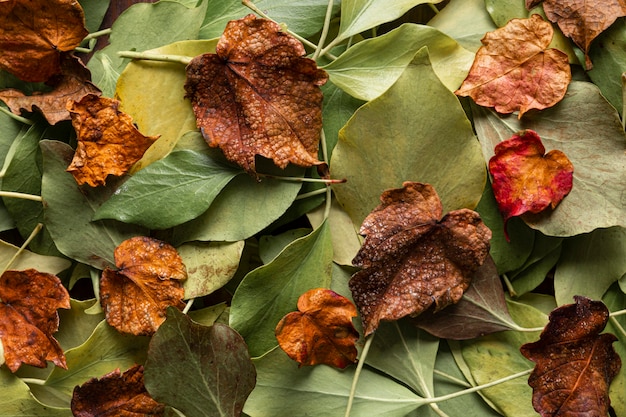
[317, 207]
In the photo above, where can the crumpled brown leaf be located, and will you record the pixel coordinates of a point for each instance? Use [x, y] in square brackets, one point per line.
[108, 142]
[258, 95]
[136, 296]
[574, 363]
[33, 33]
[28, 317]
[413, 258]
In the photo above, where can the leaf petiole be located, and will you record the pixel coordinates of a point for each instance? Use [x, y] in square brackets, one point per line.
[357, 373]
[329, 13]
[148, 56]
[16, 117]
[302, 179]
[34, 233]
[23, 196]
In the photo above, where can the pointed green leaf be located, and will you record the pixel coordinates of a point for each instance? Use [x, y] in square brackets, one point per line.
[16, 399]
[609, 62]
[544, 256]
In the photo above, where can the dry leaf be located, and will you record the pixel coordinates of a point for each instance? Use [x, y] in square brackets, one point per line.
[412, 258]
[258, 95]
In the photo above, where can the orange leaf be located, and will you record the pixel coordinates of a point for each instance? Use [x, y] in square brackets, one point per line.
[28, 317]
[514, 70]
[412, 258]
[33, 33]
[321, 332]
[574, 362]
[136, 296]
[115, 395]
[108, 142]
[258, 95]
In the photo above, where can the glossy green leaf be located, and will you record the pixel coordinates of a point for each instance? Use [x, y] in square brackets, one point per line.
[466, 21]
[16, 399]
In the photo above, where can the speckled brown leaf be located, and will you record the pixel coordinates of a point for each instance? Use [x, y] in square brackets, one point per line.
[136, 296]
[115, 395]
[574, 363]
[413, 258]
[28, 317]
[108, 142]
[33, 33]
[258, 95]
[514, 70]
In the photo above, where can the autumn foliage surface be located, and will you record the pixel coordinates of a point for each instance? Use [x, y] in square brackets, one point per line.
[319, 207]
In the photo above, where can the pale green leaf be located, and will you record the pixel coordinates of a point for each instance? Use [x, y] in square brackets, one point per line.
[544, 256]
[16, 399]
[615, 300]
[27, 259]
[75, 325]
[337, 109]
[94, 12]
[466, 21]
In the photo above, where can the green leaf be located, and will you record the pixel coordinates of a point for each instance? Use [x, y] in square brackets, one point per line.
[615, 300]
[466, 21]
[269, 292]
[27, 259]
[94, 12]
[16, 399]
[168, 192]
[76, 326]
[415, 131]
[199, 370]
[545, 254]
[337, 109]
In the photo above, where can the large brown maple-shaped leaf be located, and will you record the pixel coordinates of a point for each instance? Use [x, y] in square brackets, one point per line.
[28, 317]
[413, 258]
[33, 33]
[514, 70]
[574, 362]
[258, 95]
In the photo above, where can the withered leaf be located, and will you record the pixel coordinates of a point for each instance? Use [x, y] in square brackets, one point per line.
[114, 395]
[321, 332]
[33, 33]
[73, 83]
[108, 142]
[574, 363]
[413, 258]
[258, 95]
[136, 296]
[28, 317]
[514, 70]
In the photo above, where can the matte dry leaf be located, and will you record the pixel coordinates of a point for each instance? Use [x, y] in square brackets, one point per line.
[136, 296]
[258, 95]
[413, 258]
[525, 178]
[115, 395]
[514, 70]
[321, 332]
[574, 363]
[108, 142]
[33, 33]
[28, 317]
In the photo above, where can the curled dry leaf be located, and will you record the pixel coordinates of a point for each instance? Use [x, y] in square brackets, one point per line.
[574, 362]
[525, 178]
[28, 317]
[321, 332]
[114, 395]
[514, 70]
[413, 258]
[258, 95]
[108, 142]
[136, 296]
[33, 33]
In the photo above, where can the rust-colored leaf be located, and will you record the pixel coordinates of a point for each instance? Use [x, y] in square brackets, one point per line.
[28, 317]
[73, 83]
[136, 296]
[321, 332]
[514, 70]
[108, 142]
[258, 95]
[525, 178]
[116, 395]
[413, 258]
[33, 33]
[574, 363]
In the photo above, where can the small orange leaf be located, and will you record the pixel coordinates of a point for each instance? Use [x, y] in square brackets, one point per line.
[108, 142]
[514, 70]
[28, 317]
[136, 296]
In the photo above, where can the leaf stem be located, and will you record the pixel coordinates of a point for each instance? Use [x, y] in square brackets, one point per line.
[149, 56]
[509, 285]
[16, 117]
[34, 233]
[438, 410]
[618, 326]
[97, 34]
[452, 379]
[33, 381]
[303, 179]
[357, 373]
[188, 306]
[311, 194]
[617, 313]
[324, 34]
[434, 8]
[525, 329]
[23, 196]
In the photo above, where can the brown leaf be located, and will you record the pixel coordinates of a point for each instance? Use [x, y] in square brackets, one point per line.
[136, 296]
[412, 257]
[33, 33]
[28, 317]
[514, 70]
[321, 332]
[115, 395]
[258, 95]
[574, 362]
[108, 142]
[73, 83]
